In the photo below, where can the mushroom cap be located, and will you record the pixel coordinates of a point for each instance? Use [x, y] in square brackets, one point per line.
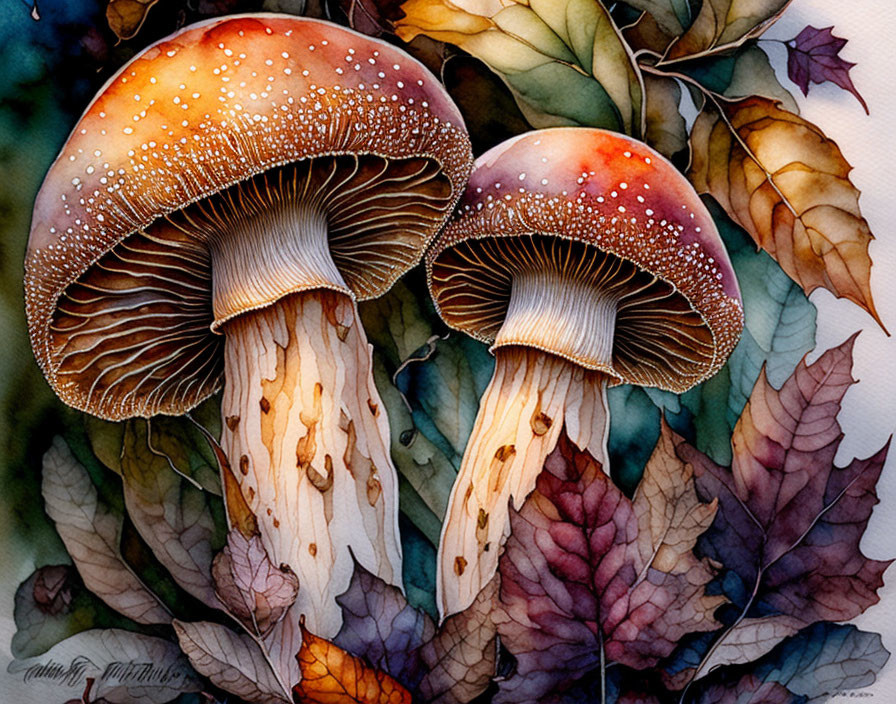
[193, 115]
[567, 195]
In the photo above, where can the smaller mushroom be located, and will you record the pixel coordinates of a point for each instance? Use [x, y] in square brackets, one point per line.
[586, 260]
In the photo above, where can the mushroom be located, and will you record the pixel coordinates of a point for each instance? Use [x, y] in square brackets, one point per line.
[213, 218]
[585, 259]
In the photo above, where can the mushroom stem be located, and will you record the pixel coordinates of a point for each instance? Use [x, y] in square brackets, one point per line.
[306, 433]
[530, 398]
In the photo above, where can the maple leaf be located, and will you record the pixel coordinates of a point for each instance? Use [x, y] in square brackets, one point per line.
[813, 55]
[589, 576]
[330, 675]
[789, 521]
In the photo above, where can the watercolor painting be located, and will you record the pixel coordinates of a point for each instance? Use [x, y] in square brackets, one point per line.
[446, 351]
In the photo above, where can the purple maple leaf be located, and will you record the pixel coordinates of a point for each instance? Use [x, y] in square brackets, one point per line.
[813, 56]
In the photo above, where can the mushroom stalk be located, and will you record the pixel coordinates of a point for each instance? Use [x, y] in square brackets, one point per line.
[305, 431]
[532, 396]
[304, 426]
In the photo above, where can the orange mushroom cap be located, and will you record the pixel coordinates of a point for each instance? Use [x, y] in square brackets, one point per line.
[193, 115]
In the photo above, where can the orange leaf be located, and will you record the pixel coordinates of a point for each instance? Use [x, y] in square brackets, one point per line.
[780, 178]
[125, 17]
[332, 676]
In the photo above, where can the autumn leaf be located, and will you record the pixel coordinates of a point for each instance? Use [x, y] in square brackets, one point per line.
[330, 675]
[449, 665]
[814, 55]
[589, 576]
[725, 24]
[233, 662]
[789, 521]
[672, 16]
[92, 532]
[250, 586]
[379, 625]
[173, 516]
[666, 130]
[565, 62]
[748, 690]
[787, 185]
[461, 659]
[125, 17]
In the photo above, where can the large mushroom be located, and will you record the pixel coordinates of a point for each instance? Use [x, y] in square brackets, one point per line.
[585, 259]
[213, 218]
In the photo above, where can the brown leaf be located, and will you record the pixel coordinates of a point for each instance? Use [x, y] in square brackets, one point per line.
[463, 655]
[235, 663]
[332, 676]
[780, 178]
[724, 24]
[125, 17]
[255, 591]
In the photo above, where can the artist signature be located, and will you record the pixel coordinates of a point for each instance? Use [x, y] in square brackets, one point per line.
[114, 673]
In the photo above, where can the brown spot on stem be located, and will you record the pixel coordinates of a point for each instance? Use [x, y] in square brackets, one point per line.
[505, 452]
[265, 405]
[374, 407]
[251, 492]
[460, 564]
[374, 488]
[244, 465]
[276, 523]
[269, 512]
[319, 481]
[312, 549]
[232, 423]
[541, 422]
[468, 493]
[482, 526]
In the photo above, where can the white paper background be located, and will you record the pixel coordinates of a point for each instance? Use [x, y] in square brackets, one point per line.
[869, 410]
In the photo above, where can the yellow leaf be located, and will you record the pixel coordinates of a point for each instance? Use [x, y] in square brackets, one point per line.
[780, 178]
[724, 24]
[332, 676]
[125, 17]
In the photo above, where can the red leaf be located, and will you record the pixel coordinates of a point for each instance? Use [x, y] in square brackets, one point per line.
[813, 55]
[790, 522]
[588, 573]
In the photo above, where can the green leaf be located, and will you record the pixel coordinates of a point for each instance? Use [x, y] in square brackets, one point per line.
[565, 62]
[739, 74]
[672, 16]
[779, 329]
[182, 524]
[666, 130]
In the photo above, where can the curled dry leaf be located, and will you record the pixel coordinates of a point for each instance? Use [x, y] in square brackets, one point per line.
[565, 61]
[814, 55]
[589, 576]
[235, 663]
[91, 532]
[330, 675]
[125, 17]
[723, 24]
[789, 521]
[250, 586]
[787, 185]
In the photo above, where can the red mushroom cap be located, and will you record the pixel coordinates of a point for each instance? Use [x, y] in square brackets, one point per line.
[581, 190]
